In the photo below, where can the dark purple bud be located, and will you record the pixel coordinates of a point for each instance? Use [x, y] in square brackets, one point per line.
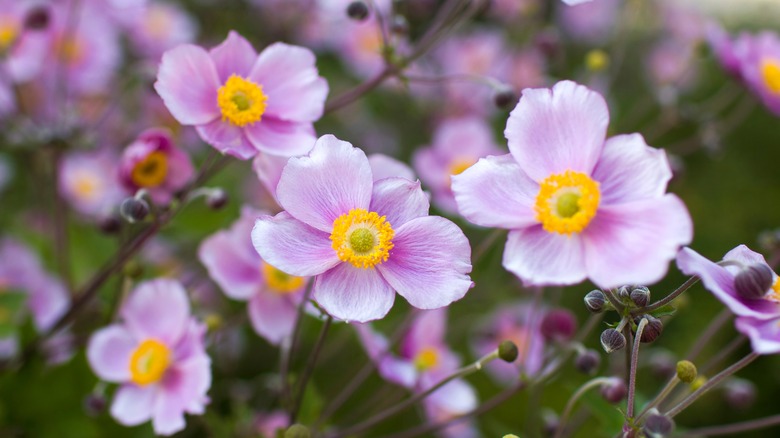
[505, 98]
[550, 423]
[624, 293]
[595, 301]
[587, 362]
[548, 41]
[652, 330]
[640, 296]
[110, 224]
[507, 351]
[559, 325]
[357, 11]
[217, 199]
[740, 393]
[400, 25]
[94, 404]
[615, 390]
[134, 210]
[658, 426]
[753, 282]
[612, 340]
[37, 18]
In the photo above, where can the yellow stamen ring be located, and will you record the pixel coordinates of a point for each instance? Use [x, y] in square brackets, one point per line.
[279, 281]
[149, 362]
[567, 202]
[426, 359]
[241, 101]
[362, 238]
[151, 171]
[770, 72]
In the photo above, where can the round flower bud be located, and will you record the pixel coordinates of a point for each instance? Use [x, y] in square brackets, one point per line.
[658, 426]
[37, 18]
[640, 296]
[110, 224]
[624, 293]
[595, 301]
[615, 390]
[133, 210]
[596, 60]
[740, 393]
[216, 199]
[698, 382]
[94, 404]
[507, 351]
[612, 340]
[686, 371]
[400, 25]
[550, 423]
[559, 325]
[357, 11]
[652, 330]
[587, 362]
[504, 98]
[548, 41]
[297, 431]
[753, 282]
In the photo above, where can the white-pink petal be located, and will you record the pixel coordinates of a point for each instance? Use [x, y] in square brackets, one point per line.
[400, 200]
[542, 258]
[133, 404]
[234, 56]
[280, 137]
[353, 294]
[187, 81]
[109, 352]
[227, 138]
[157, 309]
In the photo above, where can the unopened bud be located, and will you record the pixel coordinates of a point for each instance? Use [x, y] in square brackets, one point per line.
[740, 393]
[753, 282]
[134, 210]
[550, 423]
[297, 431]
[612, 340]
[357, 11]
[640, 296]
[624, 293]
[216, 199]
[504, 98]
[548, 41]
[559, 325]
[400, 25]
[37, 18]
[94, 404]
[587, 362]
[658, 426]
[698, 383]
[132, 269]
[213, 322]
[507, 351]
[595, 301]
[652, 330]
[686, 371]
[596, 60]
[614, 391]
[110, 224]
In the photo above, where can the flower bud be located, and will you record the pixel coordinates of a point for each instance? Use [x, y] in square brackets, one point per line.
[686, 371]
[559, 325]
[550, 423]
[615, 390]
[400, 25]
[507, 351]
[596, 60]
[37, 18]
[216, 199]
[624, 293]
[652, 330]
[753, 282]
[110, 224]
[297, 431]
[595, 301]
[587, 362]
[612, 340]
[698, 383]
[357, 11]
[740, 393]
[134, 210]
[658, 426]
[504, 98]
[94, 404]
[640, 295]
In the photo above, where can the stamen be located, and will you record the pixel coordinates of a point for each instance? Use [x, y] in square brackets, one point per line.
[151, 171]
[241, 101]
[149, 362]
[279, 281]
[770, 71]
[567, 202]
[362, 238]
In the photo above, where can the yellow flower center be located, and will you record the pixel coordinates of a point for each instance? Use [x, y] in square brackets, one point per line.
[69, 50]
[457, 166]
[770, 70]
[241, 101]
[774, 293]
[151, 171]
[426, 359]
[149, 362]
[86, 185]
[279, 281]
[362, 238]
[567, 202]
[9, 32]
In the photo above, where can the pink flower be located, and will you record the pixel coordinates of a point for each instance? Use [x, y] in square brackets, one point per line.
[157, 355]
[160, 27]
[234, 264]
[23, 50]
[457, 144]
[578, 205]
[88, 180]
[764, 334]
[361, 239]
[589, 22]
[241, 102]
[759, 59]
[152, 162]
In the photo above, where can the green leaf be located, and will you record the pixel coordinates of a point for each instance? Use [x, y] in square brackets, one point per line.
[664, 311]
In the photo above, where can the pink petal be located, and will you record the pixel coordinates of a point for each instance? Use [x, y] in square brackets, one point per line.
[279, 137]
[495, 192]
[630, 170]
[268, 169]
[428, 328]
[746, 256]
[400, 200]
[764, 334]
[272, 315]
[227, 138]
[157, 309]
[634, 243]
[109, 353]
[183, 389]
[383, 167]
[353, 294]
[235, 270]
[456, 397]
[333, 179]
[133, 404]
[551, 131]
[187, 82]
[288, 75]
[292, 246]
[429, 263]
[542, 258]
[234, 56]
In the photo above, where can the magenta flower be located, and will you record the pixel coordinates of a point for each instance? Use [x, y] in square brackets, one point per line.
[157, 355]
[457, 144]
[23, 50]
[578, 205]
[241, 102]
[161, 26]
[589, 22]
[764, 334]
[152, 162]
[759, 58]
[720, 279]
[88, 180]
[234, 264]
[362, 240]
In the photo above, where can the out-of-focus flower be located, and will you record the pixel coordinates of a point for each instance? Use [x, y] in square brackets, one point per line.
[88, 181]
[157, 355]
[22, 49]
[242, 274]
[720, 279]
[590, 22]
[457, 144]
[759, 59]
[162, 26]
[152, 162]
[362, 240]
[268, 424]
[578, 205]
[241, 102]
[723, 48]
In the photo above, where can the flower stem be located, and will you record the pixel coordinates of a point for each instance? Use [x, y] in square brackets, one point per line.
[729, 429]
[298, 399]
[669, 298]
[632, 374]
[708, 333]
[660, 397]
[593, 383]
[287, 358]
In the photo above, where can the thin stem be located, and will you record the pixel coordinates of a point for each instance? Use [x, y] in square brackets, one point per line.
[610, 294]
[285, 369]
[598, 381]
[723, 354]
[486, 243]
[457, 77]
[717, 379]
[716, 324]
[411, 401]
[660, 397]
[304, 381]
[669, 298]
[60, 219]
[728, 429]
[356, 93]
[632, 374]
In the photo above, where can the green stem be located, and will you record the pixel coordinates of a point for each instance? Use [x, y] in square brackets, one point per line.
[593, 383]
[309, 370]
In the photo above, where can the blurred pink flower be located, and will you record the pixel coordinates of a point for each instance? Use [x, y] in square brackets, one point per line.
[88, 181]
[161, 27]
